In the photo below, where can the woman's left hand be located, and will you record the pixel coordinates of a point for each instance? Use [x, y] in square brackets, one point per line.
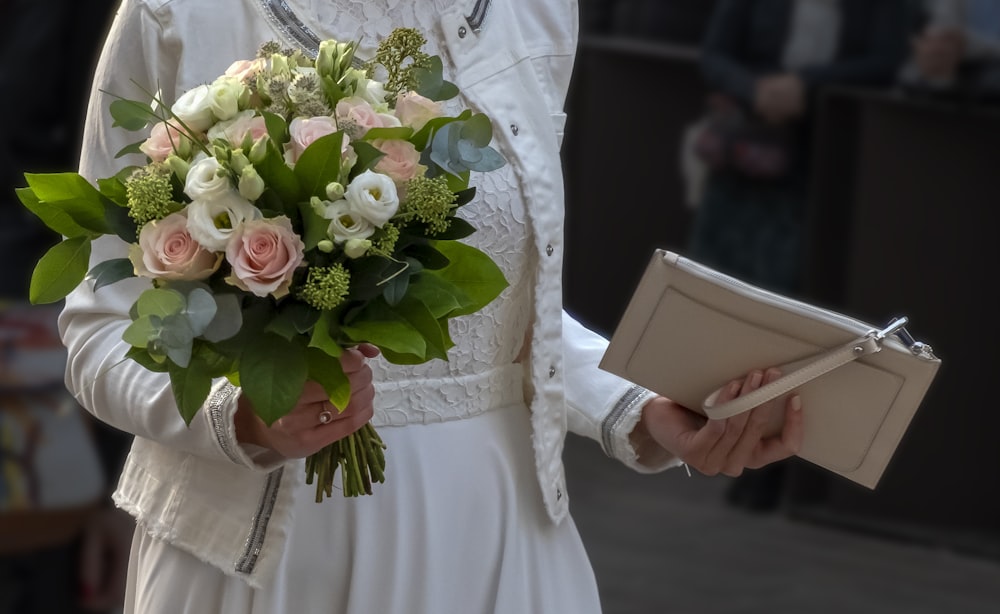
[722, 446]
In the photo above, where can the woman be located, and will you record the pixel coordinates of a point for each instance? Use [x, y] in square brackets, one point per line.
[473, 514]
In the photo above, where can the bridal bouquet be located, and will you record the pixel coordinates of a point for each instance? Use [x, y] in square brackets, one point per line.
[288, 210]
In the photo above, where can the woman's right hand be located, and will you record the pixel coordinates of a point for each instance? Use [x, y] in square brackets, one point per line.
[303, 431]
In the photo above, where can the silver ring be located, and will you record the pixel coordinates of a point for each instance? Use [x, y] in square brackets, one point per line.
[325, 417]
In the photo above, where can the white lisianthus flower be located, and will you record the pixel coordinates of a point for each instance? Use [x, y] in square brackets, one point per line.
[224, 96]
[194, 108]
[345, 222]
[212, 222]
[206, 179]
[373, 196]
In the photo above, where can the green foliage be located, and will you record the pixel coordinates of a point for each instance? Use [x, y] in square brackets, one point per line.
[60, 270]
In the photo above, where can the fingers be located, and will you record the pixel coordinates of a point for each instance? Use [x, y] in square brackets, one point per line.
[720, 458]
[788, 443]
[741, 455]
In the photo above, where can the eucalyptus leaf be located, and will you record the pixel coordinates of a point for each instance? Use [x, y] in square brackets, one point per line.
[478, 130]
[200, 311]
[227, 321]
[488, 160]
[273, 372]
[160, 302]
[141, 356]
[110, 271]
[176, 339]
[141, 331]
[60, 270]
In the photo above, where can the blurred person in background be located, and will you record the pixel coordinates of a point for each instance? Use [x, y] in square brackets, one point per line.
[63, 548]
[955, 50]
[765, 61]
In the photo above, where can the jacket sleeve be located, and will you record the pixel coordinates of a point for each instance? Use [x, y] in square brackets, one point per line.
[139, 57]
[601, 405]
[720, 51]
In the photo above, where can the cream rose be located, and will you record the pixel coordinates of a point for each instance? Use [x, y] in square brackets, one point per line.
[345, 222]
[206, 179]
[225, 95]
[194, 108]
[213, 222]
[415, 111]
[373, 196]
[304, 131]
[401, 161]
[264, 255]
[166, 250]
[244, 70]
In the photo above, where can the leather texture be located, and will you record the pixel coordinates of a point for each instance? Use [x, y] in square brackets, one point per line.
[689, 330]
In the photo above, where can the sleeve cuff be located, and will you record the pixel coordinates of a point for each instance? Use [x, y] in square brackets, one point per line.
[618, 425]
[223, 402]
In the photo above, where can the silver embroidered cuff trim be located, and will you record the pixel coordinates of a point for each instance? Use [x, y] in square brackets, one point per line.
[627, 401]
[280, 14]
[258, 527]
[220, 421]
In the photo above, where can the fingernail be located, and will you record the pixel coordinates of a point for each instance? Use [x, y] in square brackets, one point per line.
[734, 388]
[796, 403]
[755, 379]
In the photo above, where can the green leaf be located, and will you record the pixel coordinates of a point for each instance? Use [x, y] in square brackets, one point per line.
[273, 372]
[160, 302]
[401, 133]
[431, 84]
[217, 364]
[277, 127]
[421, 318]
[379, 325]
[113, 189]
[141, 331]
[278, 177]
[71, 192]
[60, 270]
[478, 129]
[131, 114]
[395, 289]
[119, 223]
[464, 197]
[228, 318]
[314, 226]
[191, 386]
[111, 271]
[321, 338]
[52, 215]
[473, 272]
[457, 229]
[327, 371]
[427, 255]
[319, 165]
[441, 297]
[368, 157]
[130, 149]
[424, 135]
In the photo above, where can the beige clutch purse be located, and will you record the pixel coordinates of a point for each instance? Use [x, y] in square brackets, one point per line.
[688, 330]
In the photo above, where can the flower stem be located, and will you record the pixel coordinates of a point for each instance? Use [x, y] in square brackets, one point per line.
[360, 458]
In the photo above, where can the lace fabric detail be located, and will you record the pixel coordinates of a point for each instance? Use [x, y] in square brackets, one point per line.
[488, 342]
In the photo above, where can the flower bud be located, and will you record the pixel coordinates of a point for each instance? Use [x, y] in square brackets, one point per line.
[325, 246]
[356, 248]
[258, 152]
[251, 185]
[279, 65]
[238, 161]
[326, 60]
[334, 190]
[179, 166]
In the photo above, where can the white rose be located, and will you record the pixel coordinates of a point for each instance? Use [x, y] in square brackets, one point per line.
[345, 222]
[212, 222]
[194, 108]
[373, 196]
[206, 179]
[224, 97]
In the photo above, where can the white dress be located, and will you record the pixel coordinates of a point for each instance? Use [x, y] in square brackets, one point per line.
[459, 526]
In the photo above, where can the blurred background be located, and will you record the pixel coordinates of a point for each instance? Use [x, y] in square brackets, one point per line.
[840, 151]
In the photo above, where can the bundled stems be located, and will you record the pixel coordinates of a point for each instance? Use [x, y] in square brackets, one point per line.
[360, 457]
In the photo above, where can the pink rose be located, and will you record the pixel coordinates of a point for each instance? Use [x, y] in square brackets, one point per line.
[244, 70]
[235, 130]
[167, 251]
[305, 130]
[401, 161]
[165, 139]
[264, 255]
[358, 117]
[415, 111]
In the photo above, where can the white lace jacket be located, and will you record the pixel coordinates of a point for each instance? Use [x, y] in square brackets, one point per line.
[197, 486]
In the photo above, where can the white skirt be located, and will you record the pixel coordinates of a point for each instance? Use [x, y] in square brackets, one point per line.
[458, 527]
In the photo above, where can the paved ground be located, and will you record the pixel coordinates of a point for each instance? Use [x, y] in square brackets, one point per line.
[668, 544]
